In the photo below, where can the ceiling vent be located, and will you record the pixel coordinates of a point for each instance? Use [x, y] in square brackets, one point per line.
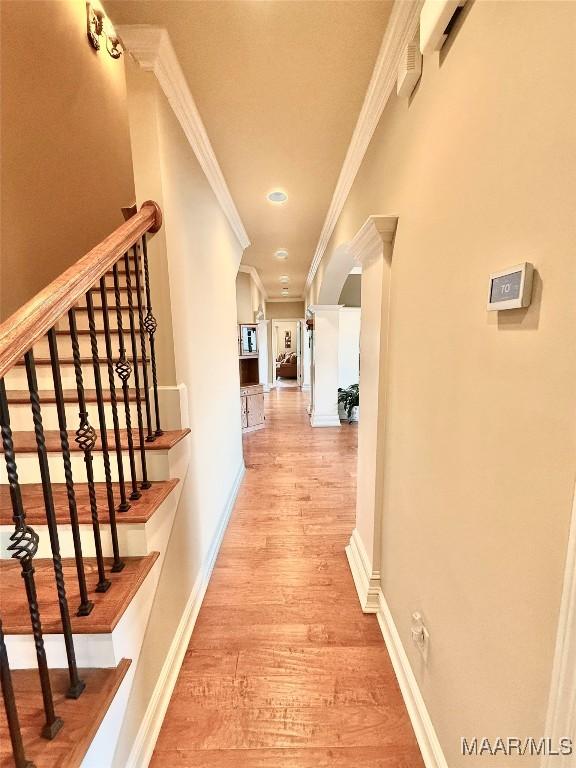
[435, 20]
[409, 70]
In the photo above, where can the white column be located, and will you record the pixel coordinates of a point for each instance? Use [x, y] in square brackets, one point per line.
[263, 352]
[306, 357]
[372, 247]
[325, 365]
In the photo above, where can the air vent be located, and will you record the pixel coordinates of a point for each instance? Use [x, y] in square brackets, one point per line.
[409, 70]
[435, 19]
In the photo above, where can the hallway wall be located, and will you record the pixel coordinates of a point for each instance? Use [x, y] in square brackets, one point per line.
[201, 257]
[480, 167]
[66, 163]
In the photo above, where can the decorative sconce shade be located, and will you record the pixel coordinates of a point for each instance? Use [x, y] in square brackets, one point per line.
[98, 26]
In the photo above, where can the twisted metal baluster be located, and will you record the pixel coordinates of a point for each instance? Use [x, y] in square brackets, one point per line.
[124, 505]
[124, 369]
[24, 546]
[10, 707]
[151, 326]
[145, 482]
[150, 436]
[86, 440]
[117, 565]
[76, 685]
[86, 605]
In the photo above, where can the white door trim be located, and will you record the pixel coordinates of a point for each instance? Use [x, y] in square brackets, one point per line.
[275, 323]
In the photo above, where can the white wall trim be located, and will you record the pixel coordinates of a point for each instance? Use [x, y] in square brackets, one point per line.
[561, 717]
[367, 242]
[324, 420]
[366, 580]
[432, 753]
[145, 740]
[253, 272]
[152, 48]
[399, 32]
[325, 307]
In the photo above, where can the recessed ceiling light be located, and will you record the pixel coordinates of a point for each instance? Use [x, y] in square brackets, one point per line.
[277, 196]
[284, 291]
[284, 278]
[282, 254]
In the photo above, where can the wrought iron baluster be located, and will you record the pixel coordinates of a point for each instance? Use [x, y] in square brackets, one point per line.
[145, 482]
[151, 326]
[76, 685]
[86, 439]
[124, 369]
[23, 548]
[150, 437]
[124, 505]
[10, 707]
[117, 565]
[86, 605]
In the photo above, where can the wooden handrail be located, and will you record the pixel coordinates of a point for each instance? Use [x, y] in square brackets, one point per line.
[31, 322]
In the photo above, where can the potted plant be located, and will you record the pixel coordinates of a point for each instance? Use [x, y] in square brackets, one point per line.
[349, 401]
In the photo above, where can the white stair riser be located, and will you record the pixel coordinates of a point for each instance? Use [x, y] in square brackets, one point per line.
[42, 349]
[16, 378]
[21, 415]
[134, 539]
[161, 465]
[82, 319]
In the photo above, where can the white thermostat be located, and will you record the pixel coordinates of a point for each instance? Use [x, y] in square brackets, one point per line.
[511, 288]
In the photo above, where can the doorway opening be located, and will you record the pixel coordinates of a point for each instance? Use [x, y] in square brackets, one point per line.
[287, 340]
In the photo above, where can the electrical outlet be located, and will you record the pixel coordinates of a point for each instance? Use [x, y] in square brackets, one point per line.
[420, 635]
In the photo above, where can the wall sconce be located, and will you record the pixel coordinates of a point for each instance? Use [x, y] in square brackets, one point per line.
[98, 25]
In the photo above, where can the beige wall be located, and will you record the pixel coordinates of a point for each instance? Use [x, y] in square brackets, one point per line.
[248, 298]
[202, 257]
[66, 163]
[351, 295]
[480, 443]
[278, 310]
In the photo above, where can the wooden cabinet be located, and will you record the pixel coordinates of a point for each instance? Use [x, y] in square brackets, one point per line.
[252, 402]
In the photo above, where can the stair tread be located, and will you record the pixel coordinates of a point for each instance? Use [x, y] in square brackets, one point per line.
[82, 717]
[85, 360]
[141, 510]
[109, 606]
[25, 442]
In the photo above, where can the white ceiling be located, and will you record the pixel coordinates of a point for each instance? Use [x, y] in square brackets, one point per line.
[279, 85]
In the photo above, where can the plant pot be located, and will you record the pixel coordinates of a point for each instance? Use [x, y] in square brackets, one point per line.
[355, 415]
[342, 412]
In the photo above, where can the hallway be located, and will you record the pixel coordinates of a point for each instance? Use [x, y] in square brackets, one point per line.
[283, 669]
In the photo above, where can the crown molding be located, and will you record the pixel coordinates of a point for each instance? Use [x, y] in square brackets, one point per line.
[253, 272]
[400, 31]
[152, 49]
[286, 300]
[368, 241]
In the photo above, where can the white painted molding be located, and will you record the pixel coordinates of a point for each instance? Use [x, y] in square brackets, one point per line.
[285, 300]
[366, 580]
[399, 32]
[253, 272]
[367, 242]
[145, 740]
[152, 49]
[561, 717]
[324, 420]
[432, 753]
[325, 307]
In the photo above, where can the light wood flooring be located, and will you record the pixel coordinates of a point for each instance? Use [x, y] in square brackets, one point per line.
[283, 669]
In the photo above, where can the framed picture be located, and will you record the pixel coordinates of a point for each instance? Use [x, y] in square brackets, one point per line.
[288, 340]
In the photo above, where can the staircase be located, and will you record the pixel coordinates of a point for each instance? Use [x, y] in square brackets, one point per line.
[89, 484]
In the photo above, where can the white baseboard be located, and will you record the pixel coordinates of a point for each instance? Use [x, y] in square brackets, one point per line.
[145, 741]
[432, 753]
[324, 420]
[366, 579]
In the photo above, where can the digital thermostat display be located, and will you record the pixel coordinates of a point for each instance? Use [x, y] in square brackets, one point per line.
[511, 288]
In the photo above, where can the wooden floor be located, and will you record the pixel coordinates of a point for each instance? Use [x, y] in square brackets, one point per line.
[283, 668]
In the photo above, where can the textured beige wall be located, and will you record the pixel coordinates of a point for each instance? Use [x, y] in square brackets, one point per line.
[202, 256]
[279, 310]
[480, 167]
[66, 162]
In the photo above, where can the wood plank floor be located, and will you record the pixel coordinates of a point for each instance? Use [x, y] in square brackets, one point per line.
[283, 669]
